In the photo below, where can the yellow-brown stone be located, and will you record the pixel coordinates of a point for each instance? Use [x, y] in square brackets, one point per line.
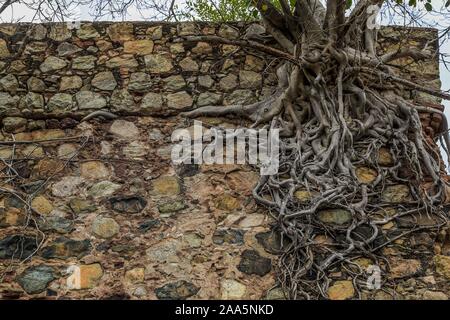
[4, 52]
[303, 195]
[139, 47]
[41, 205]
[93, 170]
[366, 175]
[167, 186]
[48, 167]
[90, 275]
[135, 275]
[385, 157]
[11, 217]
[120, 31]
[442, 264]
[232, 289]
[227, 202]
[398, 193]
[341, 290]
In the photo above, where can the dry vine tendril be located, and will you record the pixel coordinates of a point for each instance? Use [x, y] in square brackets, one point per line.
[337, 104]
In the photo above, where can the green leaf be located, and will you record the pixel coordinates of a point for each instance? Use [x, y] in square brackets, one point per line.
[413, 3]
[447, 3]
[349, 4]
[428, 6]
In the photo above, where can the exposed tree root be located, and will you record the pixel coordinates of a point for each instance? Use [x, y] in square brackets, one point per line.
[334, 124]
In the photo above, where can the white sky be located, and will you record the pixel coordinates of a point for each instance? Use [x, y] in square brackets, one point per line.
[83, 13]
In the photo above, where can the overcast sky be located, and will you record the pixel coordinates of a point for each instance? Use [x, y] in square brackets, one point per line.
[84, 13]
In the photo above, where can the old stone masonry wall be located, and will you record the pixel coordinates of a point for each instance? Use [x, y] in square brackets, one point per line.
[97, 210]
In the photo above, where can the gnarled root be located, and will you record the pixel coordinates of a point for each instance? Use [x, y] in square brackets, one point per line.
[349, 146]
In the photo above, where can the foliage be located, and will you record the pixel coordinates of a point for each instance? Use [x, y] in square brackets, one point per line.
[221, 10]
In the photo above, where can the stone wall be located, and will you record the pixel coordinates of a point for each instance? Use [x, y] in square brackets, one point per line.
[112, 208]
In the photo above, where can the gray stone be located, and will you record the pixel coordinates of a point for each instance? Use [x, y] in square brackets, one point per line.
[276, 294]
[175, 83]
[123, 61]
[208, 98]
[92, 49]
[124, 129]
[179, 100]
[122, 100]
[70, 83]
[252, 263]
[79, 205]
[178, 290]
[434, 295]
[36, 84]
[187, 64]
[128, 204]
[202, 48]
[9, 245]
[14, 124]
[254, 29]
[335, 216]
[6, 101]
[149, 224]
[36, 279]
[32, 100]
[396, 194]
[35, 47]
[52, 63]
[105, 227]
[38, 32]
[9, 83]
[155, 134]
[87, 31]
[140, 82]
[55, 223]
[229, 32]
[90, 100]
[151, 102]
[176, 48]
[164, 251]
[205, 81]
[170, 207]
[67, 186]
[228, 236]
[253, 63]
[67, 49]
[59, 31]
[103, 189]
[156, 32]
[60, 102]
[193, 240]
[64, 248]
[228, 82]
[270, 240]
[249, 79]
[240, 97]
[84, 62]
[158, 63]
[187, 29]
[104, 81]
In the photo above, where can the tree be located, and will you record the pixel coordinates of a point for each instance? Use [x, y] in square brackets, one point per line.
[338, 105]
[221, 11]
